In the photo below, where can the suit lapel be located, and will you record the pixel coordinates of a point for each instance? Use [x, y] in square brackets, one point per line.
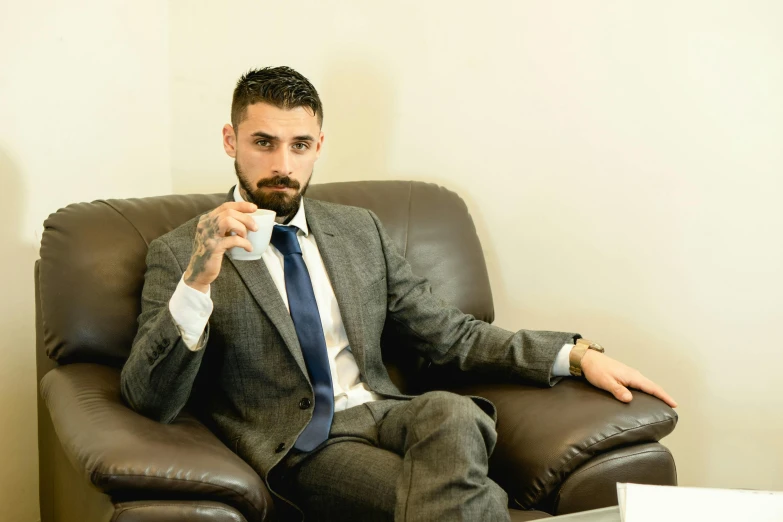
[258, 281]
[341, 273]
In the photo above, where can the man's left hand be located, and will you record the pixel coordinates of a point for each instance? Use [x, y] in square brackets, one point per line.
[615, 377]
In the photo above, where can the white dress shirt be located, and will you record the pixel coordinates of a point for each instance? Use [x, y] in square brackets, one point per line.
[191, 310]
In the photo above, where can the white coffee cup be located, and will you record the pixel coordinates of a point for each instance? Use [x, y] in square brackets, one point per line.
[265, 220]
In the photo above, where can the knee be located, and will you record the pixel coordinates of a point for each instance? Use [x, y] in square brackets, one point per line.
[440, 403]
[456, 418]
[446, 407]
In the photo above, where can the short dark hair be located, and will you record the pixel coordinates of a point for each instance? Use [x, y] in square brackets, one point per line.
[282, 87]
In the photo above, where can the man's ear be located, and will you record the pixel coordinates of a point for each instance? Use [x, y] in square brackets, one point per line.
[229, 140]
[319, 145]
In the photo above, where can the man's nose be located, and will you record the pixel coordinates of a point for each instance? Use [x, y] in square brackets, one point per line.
[281, 164]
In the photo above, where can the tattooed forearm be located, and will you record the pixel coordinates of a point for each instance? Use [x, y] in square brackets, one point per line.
[197, 265]
[207, 236]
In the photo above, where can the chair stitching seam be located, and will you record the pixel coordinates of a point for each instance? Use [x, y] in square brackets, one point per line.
[125, 218]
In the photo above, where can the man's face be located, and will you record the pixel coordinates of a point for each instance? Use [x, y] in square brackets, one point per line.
[274, 151]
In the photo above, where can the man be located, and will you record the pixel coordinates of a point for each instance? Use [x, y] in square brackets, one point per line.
[282, 356]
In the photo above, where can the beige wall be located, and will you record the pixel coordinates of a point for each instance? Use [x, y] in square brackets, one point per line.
[622, 161]
[84, 114]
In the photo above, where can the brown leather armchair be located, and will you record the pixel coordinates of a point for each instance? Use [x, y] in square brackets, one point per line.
[559, 450]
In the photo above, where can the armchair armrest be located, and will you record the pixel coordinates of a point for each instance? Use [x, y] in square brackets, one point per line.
[546, 433]
[120, 451]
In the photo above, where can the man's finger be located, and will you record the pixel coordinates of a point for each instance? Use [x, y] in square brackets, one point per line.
[647, 386]
[245, 219]
[235, 241]
[621, 393]
[229, 225]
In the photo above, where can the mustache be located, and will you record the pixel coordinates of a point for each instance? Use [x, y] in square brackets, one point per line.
[279, 181]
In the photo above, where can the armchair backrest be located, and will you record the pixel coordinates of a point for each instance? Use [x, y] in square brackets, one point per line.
[92, 262]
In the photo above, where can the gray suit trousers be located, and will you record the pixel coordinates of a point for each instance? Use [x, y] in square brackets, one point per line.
[424, 459]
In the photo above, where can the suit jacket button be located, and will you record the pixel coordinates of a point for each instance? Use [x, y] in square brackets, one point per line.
[165, 343]
[280, 447]
[305, 403]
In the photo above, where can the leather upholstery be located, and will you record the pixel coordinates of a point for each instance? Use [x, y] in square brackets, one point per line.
[175, 511]
[123, 451]
[587, 422]
[102, 290]
[559, 449]
[587, 487]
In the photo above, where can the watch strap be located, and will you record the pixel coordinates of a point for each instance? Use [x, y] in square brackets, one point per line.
[578, 352]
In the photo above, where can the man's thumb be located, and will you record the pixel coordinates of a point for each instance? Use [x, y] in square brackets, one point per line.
[621, 393]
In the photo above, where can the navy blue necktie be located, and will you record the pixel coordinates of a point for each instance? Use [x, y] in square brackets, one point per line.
[307, 321]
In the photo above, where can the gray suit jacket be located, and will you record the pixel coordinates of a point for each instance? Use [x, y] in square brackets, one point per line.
[247, 382]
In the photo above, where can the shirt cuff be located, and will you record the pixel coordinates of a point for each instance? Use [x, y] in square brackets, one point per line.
[561, 367]
[190, 310]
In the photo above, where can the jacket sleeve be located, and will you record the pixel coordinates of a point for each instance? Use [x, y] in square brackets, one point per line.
[158, 376]
[444, 334]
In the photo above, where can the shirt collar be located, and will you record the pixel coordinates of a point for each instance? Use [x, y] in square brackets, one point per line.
[299, 220]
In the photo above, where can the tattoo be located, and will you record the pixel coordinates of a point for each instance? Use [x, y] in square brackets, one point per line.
[207, 235]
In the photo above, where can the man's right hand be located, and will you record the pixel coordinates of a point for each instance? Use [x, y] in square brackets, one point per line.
[214, 237]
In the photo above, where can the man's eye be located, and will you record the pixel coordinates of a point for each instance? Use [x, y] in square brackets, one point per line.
[300, 146]
[263, 143]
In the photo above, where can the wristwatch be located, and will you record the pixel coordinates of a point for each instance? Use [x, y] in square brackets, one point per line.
[578, 351]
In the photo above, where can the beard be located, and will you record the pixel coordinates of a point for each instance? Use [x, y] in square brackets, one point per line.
[283, 204]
